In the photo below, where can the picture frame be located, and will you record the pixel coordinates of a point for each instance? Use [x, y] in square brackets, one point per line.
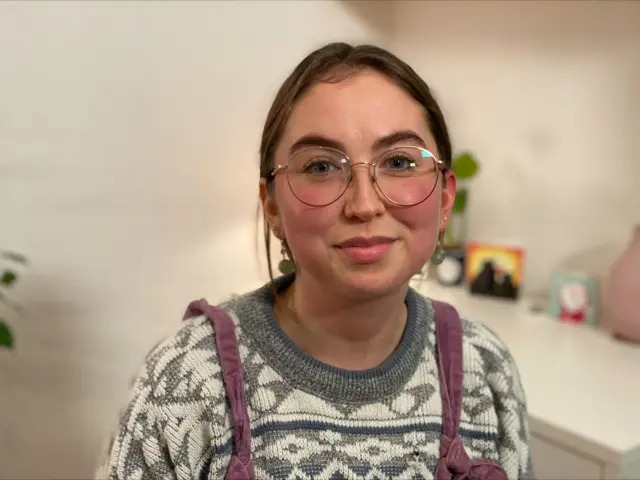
[573, 298]
[494, 270]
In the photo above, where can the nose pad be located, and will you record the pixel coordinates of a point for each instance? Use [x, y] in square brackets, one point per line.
[364, 200]
[372, 176]
[357, 189]
[370, 166]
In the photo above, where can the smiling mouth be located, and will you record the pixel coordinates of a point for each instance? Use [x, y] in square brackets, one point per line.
[363, 242]
[366, 250]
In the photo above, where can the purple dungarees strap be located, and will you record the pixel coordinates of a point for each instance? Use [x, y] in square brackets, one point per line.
[241, 466]
[454, 462]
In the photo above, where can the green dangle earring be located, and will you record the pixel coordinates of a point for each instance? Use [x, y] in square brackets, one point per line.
[438, 255]
[286, 265]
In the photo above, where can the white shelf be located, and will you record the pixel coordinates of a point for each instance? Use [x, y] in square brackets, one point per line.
[582, 386]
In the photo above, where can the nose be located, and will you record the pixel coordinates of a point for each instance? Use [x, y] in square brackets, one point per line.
[363, 200]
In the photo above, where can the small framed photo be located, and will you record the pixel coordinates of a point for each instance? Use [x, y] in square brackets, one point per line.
[494, 270]
[573, 298]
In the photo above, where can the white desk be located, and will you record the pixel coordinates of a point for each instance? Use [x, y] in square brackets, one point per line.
[582, 387]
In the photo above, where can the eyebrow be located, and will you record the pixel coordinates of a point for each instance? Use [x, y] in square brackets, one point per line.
[315, 140]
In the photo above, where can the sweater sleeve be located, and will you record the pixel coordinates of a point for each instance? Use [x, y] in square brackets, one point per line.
[175, 413]
[503, 377]
[513, 418]
[138, 450]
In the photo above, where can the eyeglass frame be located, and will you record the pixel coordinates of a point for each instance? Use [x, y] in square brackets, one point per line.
[274, 171]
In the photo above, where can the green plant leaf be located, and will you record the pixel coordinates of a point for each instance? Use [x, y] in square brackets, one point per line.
[6, 339]
[447, 240]
[15, 257]
[460, 201]
[465, 166]
[8, 278]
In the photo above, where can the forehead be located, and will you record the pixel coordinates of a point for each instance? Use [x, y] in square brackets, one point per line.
[356, 112]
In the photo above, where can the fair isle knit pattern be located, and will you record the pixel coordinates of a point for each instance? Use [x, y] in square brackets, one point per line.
[310, 420]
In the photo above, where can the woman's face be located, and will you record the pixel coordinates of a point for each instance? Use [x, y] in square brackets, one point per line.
[356, 114]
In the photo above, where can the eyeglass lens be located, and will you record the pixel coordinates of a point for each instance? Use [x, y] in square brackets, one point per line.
[405, 176]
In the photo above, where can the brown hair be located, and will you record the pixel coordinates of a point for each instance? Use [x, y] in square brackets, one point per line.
[332, 63]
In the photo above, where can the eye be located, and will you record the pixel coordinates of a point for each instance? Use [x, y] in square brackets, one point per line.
[398, 162]
[323, 166]
[318, 166]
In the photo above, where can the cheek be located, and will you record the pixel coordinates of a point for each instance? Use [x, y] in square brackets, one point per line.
[422, 220]
[305, 227]
[422, 226]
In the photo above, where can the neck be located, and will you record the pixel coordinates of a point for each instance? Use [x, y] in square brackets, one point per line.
[353, 334]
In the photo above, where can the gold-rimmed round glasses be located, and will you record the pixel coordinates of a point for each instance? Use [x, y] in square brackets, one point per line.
[319, 176]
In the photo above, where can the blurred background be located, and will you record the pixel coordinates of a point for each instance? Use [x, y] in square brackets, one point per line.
[129, 135]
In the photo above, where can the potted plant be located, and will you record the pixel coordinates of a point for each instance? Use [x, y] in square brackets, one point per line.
[465, 166]
[8, 278]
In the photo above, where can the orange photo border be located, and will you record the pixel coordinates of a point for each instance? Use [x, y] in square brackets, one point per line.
[510, 258]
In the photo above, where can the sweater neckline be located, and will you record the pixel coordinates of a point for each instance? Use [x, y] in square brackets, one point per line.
[317, 378]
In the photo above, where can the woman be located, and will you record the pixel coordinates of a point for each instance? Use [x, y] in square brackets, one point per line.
[337, 364]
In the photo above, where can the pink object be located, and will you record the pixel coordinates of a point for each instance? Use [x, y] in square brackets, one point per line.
[621, 300]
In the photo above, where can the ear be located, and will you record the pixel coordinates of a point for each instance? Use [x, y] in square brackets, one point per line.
[270, 209]
[449, 188]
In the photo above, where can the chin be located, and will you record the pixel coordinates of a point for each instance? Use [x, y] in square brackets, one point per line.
[372, 282]
[374, 279]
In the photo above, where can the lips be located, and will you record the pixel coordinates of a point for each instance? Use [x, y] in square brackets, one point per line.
[366, 249]
[363, 242]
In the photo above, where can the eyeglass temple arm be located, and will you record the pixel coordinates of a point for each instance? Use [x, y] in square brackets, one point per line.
[272, 174]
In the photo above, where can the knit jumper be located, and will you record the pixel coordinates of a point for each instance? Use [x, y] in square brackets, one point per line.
[310, 420]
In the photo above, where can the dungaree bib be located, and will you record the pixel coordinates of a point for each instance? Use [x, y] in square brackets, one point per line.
[454, 462]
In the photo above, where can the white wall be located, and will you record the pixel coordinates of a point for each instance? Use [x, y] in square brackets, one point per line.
[547, 94]
[128, 166]
[129, 137]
